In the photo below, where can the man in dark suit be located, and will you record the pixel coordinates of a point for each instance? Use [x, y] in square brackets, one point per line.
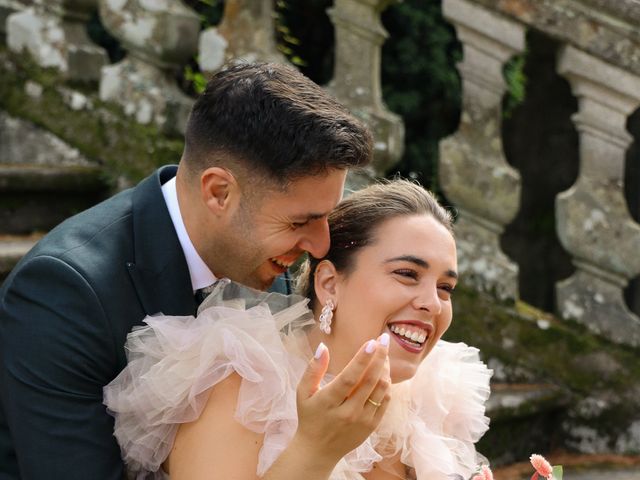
[265, 160]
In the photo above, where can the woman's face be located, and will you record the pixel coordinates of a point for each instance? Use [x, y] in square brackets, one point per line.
[401, 283]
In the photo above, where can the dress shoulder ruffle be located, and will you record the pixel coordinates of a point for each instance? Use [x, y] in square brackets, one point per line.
[446, 412]
[174, 361]
[432, 422]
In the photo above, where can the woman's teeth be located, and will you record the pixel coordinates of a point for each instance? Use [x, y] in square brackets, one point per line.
[415, 334]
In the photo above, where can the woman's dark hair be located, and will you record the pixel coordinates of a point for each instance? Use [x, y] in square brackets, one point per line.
[354, 222]
[272, 122]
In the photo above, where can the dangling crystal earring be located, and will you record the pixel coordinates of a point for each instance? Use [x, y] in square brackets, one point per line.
[325, 317]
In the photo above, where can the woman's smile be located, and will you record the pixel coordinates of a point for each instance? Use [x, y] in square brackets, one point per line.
[410, 334]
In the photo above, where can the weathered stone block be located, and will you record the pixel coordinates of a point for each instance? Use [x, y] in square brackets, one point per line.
[22, 143]
[245, 33]
[56, 40]
[7, 7]
[472, 170]
[160, 37]
[593, 220]
[146, 94]
[356, 78]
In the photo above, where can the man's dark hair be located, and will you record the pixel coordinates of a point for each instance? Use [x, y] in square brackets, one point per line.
[271, 120]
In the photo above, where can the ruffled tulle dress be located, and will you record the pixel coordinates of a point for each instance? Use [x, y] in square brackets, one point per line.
[432, 422]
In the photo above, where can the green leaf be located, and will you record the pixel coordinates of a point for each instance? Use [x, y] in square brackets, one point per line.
[557, 472]
[296, 60]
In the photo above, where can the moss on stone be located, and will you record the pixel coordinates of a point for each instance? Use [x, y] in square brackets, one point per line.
[601, 379]
[126, 150]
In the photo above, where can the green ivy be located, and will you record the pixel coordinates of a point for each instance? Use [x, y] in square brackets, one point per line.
[516, 82]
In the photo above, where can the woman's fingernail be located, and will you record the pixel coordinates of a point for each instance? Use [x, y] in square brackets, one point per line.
[321, 348]
[384, 339]
[371, 346]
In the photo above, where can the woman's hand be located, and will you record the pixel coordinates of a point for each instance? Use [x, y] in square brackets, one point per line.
[335, 419]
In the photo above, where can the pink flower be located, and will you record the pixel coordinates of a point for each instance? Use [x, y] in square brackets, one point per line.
[543, 468]
[485, 474]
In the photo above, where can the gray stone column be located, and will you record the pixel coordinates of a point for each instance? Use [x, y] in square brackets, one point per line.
[593, 219]
[7, 7]
[54, 33]
[356, 77]
[160, 36]
[473, 171]
[246, 32]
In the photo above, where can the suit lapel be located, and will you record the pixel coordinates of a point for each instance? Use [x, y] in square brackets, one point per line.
[159, 270]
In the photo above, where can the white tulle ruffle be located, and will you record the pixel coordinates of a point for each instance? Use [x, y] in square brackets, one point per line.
[432, 422]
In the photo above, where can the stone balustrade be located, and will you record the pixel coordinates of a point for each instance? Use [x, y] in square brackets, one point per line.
[159, 36]
[54, 34]
[473, 171]
[7, 7]
[601, 61]
[359, 36]
[593, 220]
[162, 36]
[246, 32]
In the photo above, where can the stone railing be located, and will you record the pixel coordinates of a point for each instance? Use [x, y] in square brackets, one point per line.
[600, 58]
[163, 36]
[75, 126]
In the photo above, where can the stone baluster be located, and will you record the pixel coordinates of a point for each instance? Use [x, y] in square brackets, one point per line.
[54, 33]
[359, 35]
[473, 171]
[7, 7]
[246, 32]
[593, 219]
[160, 36]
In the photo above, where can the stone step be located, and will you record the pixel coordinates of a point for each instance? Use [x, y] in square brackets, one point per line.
[524, 418]
[511, 401]
[45, 178]
[38, 197]
[12, 249]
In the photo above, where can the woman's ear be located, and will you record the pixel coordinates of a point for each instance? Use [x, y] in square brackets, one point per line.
[220, 190]
[326, 279]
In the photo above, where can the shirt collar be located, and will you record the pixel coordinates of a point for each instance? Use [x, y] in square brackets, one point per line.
[201, 275]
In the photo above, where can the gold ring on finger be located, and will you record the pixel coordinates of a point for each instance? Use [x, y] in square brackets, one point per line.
[375, 404]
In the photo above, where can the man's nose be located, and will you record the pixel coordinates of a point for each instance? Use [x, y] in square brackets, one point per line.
[316, 240]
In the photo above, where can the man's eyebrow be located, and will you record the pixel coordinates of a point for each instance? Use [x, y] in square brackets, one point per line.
[309, 217]
[420, 262]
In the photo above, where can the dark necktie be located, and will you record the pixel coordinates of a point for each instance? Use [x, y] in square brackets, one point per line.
[203, 293]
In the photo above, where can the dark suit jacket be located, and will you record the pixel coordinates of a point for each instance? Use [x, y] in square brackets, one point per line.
[65, 312]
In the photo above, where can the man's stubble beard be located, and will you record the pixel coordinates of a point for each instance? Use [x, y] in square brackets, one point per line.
[238, 254]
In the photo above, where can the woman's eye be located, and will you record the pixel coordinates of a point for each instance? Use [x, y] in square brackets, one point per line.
[408, 273]
[447, 289]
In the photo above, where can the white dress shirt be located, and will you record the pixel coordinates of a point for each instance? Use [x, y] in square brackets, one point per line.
[201, 275]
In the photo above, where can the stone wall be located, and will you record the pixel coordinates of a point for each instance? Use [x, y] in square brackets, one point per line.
[567, 170]
[128, 117]
[598, 55]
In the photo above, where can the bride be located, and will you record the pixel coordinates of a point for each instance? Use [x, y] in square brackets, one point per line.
[228, 395]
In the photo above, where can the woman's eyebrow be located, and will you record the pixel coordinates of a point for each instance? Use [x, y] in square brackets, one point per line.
[409, 258]
[419, 262]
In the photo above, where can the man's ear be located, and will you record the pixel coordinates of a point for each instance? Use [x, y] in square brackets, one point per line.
[326, 279]
[220, 190]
